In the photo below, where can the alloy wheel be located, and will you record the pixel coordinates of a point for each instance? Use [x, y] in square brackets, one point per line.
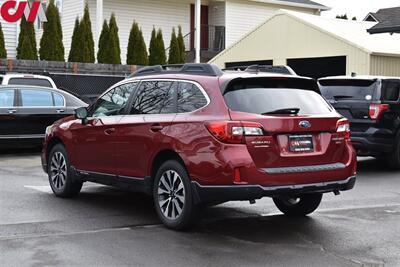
[171, 195]
[58, 170]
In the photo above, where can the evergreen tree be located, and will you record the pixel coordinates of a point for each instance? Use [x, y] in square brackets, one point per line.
[162, 58]
[87, 43]
[182, 48]
[174, 50]
[102, 54]
[142, 56]
[51, 44]
[26, 48]
[114, 49]
[153, 48]
[342, 16]
[3, 51]
[354, 18]
[75, 52]
[137, 51]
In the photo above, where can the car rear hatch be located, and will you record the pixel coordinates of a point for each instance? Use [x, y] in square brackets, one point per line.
[353, 98]
[299, 127]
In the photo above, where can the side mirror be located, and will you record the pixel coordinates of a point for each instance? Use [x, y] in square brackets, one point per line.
[82, 114]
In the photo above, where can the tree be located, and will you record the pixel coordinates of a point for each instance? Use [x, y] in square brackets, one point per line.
[26, 48]
[51, 44]
[342, 16]
[174, 50]
[161, 48]
[102, 53]
[87, 43]
[75, 52]
[3, 51]
[114, 49]
[153, 48]
[181, 43]
[354, 18]
[137, 51]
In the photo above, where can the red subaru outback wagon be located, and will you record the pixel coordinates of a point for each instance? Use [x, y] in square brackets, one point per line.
[198, 136]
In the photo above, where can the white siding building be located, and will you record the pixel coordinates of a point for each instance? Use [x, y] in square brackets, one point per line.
[223, 21]
[315, 46]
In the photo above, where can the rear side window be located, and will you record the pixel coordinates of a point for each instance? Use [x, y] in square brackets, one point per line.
[390, 90]
[36, 98]
[58, 100]
[260, 96]
[6, 98]
[348, 89]
[30, 81]
[154, 97]
[190, 98]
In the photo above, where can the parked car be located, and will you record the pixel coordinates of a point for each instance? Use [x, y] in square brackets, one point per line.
[26, 111]
[27, 79]
[198, 136]
[372, 105]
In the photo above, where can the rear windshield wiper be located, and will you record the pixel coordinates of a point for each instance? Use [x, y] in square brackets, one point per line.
[291, 111]
[336, 97]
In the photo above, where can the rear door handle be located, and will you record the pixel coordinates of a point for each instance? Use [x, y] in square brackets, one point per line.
[156, 127]
[59, 111]
[109, 131]
[12, 111]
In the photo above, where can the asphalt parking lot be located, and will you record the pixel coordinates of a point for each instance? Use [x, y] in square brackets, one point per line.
[107, 227]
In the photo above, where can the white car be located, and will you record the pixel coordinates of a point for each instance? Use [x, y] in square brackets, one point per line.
[27, 79]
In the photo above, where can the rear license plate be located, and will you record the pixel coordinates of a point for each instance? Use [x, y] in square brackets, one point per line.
[301, 143]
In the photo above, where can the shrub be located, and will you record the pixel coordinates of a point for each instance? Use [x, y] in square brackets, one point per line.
[103, 43]
[87, 43]
[174, 50]
[26, 48]
[137, 51]
[182, 47]
[51, 44]
[114, 49]
[3, 51]
[75, 52]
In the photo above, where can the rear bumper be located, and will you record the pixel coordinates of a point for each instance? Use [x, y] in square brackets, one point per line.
[373, 142]
[252, 192]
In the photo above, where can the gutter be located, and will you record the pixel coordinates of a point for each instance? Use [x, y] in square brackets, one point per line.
[285, 3]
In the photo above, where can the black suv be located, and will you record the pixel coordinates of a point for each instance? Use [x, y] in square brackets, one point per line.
[372, 105]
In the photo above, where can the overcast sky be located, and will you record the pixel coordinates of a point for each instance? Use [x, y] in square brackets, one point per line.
[357, 8]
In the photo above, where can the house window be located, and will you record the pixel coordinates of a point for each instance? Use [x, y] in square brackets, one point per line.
[58, 3]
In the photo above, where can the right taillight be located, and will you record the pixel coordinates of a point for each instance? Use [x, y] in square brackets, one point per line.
[343, 128]
[376, 110]
[234, 132]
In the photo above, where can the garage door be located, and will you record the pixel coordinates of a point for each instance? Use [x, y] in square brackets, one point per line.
[245, 64]
[319, 67]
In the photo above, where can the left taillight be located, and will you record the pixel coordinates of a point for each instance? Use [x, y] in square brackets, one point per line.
[376, 110]
[343, 127]
[234, 132]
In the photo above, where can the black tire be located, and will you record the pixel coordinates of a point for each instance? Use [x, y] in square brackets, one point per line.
[394, 158]
[167, 202]
[298, 206]
[62, 180]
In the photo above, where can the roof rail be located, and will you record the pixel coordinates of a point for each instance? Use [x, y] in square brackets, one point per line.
[189, 68]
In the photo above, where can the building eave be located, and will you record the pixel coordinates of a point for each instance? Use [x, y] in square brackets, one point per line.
[285, 3]
[393, 29]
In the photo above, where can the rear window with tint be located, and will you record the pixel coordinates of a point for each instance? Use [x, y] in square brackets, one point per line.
[348, 89]
[30, 81]
[261, 96]
[390, 90]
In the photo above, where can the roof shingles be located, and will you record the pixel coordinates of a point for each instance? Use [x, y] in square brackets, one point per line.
[389, 21]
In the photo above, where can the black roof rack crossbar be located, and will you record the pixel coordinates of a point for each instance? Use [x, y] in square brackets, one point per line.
[190, 68]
